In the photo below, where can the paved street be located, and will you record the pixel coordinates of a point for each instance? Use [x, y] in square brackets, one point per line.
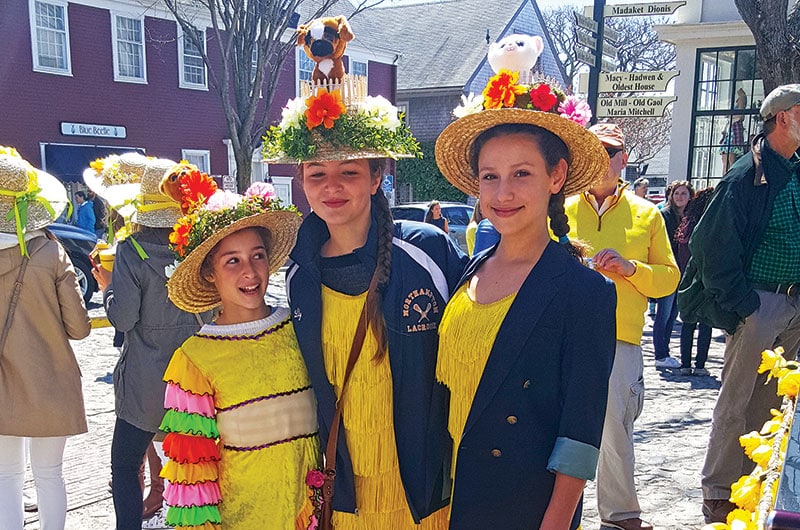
[671, 437]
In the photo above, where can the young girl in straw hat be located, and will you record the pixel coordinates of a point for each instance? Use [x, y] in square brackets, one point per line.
[135, 300]
[392, 453]
[526, 343]
[40, 382]
[241, 417]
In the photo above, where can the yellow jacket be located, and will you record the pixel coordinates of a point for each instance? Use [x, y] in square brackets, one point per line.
[635, 228]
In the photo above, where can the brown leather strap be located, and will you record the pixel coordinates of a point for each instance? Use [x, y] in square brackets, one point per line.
[13, 304]
[333, 435]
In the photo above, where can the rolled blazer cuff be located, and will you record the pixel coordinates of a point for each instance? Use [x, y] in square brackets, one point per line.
[573, 458]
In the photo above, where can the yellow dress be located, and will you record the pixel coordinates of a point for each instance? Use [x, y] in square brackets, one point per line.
[466, 336]
[241, 418]
[368, 423]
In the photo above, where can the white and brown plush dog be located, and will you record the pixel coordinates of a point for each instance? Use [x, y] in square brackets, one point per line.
[324, 41]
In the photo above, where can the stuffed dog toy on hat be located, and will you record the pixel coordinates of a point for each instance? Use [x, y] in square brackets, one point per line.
[324, 41]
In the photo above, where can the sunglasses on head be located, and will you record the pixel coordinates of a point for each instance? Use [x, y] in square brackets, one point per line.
[612, 151]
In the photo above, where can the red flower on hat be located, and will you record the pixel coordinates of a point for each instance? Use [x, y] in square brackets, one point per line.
[542, 97]
[196, 188]
[179, 237]
[324, 109]
[502, 90]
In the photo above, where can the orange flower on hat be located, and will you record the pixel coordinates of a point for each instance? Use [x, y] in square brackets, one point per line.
[542, 97]
[324, 109]
[179, 236]
[502, 90]
[196, 188]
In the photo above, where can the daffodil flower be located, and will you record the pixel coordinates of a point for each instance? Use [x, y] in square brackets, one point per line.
[745, 493]
[750, 441]
[772, 361]
[789, 384]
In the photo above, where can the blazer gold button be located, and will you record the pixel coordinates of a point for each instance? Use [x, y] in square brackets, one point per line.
[512, 420]
[526, 384]
[496, 453]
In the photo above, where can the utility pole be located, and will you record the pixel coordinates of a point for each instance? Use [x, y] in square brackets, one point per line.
[594, 71]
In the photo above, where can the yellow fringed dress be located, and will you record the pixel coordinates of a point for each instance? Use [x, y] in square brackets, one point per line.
[368, 423]
[242, 423]
[466, 337]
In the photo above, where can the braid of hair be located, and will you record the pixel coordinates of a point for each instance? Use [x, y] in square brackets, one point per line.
[385, 225]
[559, 224]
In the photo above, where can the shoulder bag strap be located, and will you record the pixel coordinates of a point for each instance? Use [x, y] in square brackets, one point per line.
[13, 304]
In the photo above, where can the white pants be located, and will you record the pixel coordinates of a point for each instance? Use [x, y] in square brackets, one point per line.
[46, 456]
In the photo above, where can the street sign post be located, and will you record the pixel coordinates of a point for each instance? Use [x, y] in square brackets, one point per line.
[585, 22]
[642, 106]
[610, 34]
[585, 39]
[637, 10]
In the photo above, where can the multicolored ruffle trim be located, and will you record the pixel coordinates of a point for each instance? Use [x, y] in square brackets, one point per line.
[189, 423]
[193, 516]
[188, 495]
[182, 372]
[189, 473]
[179, 399]
[186, 449]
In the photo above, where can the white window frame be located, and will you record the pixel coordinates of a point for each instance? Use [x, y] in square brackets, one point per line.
[402, 106]
[35, 42]
[355, 57]
[182, 83]
[205, 154]
[300, 55]
[114, 45]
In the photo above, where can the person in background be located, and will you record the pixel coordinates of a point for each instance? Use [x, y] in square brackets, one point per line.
[640, 186]
[693, 211]
[743, 277]
[525, 358]
[434, 216]
[630, 244]
[679, 193]
[40, 380]
[100, 215]
[483, 234]
[85, 212]
[469, 233]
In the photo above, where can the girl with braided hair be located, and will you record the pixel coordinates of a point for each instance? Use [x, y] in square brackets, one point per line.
[526, 343]
[392, 453]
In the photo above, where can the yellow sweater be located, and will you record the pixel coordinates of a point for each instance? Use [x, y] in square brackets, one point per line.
[635, 228]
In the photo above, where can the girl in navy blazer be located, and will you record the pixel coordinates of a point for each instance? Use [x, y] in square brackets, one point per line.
[526, 343]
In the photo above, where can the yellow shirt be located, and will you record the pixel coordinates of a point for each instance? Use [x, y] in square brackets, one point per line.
[368, 421]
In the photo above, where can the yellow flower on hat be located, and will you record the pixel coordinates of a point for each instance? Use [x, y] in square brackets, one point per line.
[745, 492]
[9, 151]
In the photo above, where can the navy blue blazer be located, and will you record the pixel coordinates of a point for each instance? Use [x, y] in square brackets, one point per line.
[545, 384]
[426, 266]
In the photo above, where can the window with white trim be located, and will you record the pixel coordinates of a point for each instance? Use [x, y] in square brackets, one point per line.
[199, 157]
[402, 108]
[191, 64]
[128, 47]
[358, 68]
[305, 67]
[50, 36]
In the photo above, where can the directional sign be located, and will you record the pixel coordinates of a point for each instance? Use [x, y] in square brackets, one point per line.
[641, 107]
[91, 129]
[585, 39]
[636, 10]
[654, 81]
[610, 34]
[585, 56]
[585, 22]
[609, 50]
[608, 65]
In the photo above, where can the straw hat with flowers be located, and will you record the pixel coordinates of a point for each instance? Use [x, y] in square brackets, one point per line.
[29, 198]
[212, 215]
[338, 121]
[504, 101]
[129, 183]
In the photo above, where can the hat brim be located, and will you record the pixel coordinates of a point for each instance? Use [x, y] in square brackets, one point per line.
[192, 294]
[120, 197]
[453, 147]
[53, 192]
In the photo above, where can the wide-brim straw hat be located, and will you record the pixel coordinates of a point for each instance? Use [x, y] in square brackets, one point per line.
[329, 153]
[15, 180]
[132, 189]
[190, 292]
[454, 146]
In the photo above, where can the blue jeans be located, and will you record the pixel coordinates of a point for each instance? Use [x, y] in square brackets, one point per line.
[687, 341]
[666, 312]
[128, 447]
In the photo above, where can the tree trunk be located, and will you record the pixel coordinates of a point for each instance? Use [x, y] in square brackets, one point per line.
[244, 169]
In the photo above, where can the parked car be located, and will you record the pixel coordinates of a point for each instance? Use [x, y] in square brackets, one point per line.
[456, 213]
[78, 243]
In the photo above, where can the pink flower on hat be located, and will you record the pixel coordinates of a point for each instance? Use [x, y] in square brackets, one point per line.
[260, 189]
[222, 200]
[575, 109]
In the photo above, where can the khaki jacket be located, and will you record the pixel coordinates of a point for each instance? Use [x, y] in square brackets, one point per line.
[40, 382]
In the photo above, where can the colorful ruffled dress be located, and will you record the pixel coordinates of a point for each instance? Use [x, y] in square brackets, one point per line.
[241, 418]
[368, 423]
[466, 338]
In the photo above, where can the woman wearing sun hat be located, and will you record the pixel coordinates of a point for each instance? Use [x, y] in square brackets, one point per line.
[526, 343]
[40, 381]
[392, 451]
[136, 302]
[241, 415]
